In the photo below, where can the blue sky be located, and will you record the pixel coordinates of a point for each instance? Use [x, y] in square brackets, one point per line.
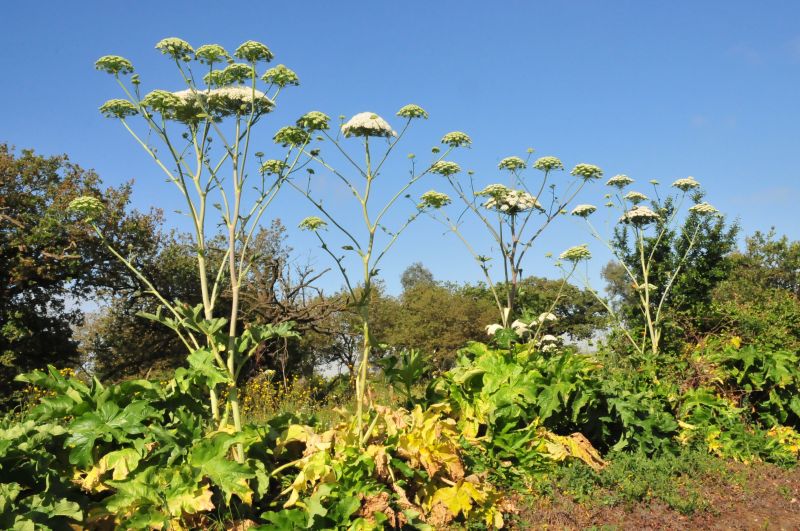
[655, 90]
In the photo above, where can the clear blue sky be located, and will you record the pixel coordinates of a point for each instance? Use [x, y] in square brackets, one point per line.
[655, 90]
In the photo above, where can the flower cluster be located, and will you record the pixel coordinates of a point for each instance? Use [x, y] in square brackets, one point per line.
[211, 53]
[548, 343]
[161, 101]
[511, 164]
[445, 167]
[313, 223]
[253, 52]
[548, 163]
[176, 48]
[583, 211]
[619, 181]
[587, 171]
[189, 105]
[236, 73]
[314, 121]
[272, 167]
[87, 207]
[281, 76]
[639, 216]
[216, 78]
[118, 109]
[412, 111]
[492, 329]
[686, 184]
[291, 136]
[635, 197]
[456, 139]
[228, 101]
[508, 201]
[520, 327]
[367, 124]
[547, 316]
[433, 199]
[114, 64]
[703, 208]
[576, 254]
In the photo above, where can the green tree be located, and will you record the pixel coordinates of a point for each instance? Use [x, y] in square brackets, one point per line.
[49, 266]
[439, 319]
[759, 301]
[415, 274]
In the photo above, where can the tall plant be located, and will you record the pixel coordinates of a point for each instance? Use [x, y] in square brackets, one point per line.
[201, 138]
[514, 216]
[639, 232]
[370, 242]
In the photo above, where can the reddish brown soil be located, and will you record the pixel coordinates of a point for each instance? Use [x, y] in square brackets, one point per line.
[755, 497]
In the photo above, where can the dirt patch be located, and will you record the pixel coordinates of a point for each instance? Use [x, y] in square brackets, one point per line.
[757, 496]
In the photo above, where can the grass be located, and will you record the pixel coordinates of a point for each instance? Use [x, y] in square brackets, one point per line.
[677, 480]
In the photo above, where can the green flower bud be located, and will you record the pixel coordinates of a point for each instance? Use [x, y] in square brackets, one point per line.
[176, 48]
[118, 109]
[114, 64]
[456, 139]
[211, 53]
[281, 76]
[412, 111]
[253, 52]
[87, 207]
[314, 121]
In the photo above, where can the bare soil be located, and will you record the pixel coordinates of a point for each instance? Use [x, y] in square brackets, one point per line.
[756, 496]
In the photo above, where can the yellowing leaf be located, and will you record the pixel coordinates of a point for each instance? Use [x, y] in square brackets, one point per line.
[190, 502]
[560, 447]
[460, 498]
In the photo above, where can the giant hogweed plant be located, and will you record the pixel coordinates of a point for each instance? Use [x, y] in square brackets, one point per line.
[201, 138]
[370, 242]
[514, 216]
[640, 230]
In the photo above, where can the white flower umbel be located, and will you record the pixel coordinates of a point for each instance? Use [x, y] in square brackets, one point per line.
[433, 199]
[583, 210]
[619, 181]
[547, 316]
[686, 184]
[238, 100]
[635, 197]
[367, 124]
[703, 208]
[639, 216]
[492, 329]
[445, 167]
[508, 201]
[520, 328]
